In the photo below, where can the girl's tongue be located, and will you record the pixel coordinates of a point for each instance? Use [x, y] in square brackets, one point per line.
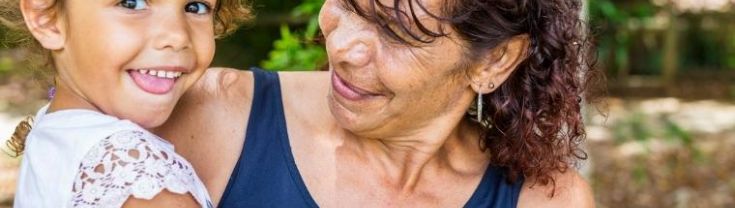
[152, 84]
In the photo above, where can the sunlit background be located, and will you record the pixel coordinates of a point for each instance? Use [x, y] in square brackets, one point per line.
[666, 134]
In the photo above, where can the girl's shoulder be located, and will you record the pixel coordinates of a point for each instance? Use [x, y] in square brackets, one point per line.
[108, 160]
[97, 160]
[133, 163]
[73, 131]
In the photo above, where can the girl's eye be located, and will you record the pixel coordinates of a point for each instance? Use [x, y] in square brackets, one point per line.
[197, 8]
[134, 4]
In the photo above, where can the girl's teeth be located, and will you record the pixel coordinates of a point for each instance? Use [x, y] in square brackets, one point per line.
[161, 74]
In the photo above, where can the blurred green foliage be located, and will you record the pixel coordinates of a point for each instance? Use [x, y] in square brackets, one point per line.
[8, 40]
[609, 21]
[250, 45]
[641, 128]
[6, 64]
[630, 37]
[298, 50]
[634, 127]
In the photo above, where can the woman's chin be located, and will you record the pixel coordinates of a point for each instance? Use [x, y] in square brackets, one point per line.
[355, 123]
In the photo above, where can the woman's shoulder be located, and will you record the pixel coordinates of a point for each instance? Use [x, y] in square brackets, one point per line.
[208, 125]
[231, 91]
[305, 84]
[569, 189]
[229, 82]
[305, 99]
[223, 83]
[221, 98]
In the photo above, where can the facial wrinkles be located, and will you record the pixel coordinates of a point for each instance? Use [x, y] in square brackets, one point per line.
[423, 79]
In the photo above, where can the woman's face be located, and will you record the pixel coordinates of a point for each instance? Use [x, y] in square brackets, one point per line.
[381, 86]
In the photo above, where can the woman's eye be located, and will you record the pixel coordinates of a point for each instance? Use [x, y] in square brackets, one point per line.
[197, 8]
[134, 4]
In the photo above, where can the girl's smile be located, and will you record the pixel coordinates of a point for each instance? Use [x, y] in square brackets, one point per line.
[157, 80]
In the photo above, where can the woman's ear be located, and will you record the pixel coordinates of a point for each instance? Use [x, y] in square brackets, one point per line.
[499, 64]
[41, 18]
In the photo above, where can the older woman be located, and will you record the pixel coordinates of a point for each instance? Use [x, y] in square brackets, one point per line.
[428, 103]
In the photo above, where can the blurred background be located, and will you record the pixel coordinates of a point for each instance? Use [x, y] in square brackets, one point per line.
[663, 137]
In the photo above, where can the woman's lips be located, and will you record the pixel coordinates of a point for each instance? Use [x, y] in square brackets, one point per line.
[348, 91]
[153, 84]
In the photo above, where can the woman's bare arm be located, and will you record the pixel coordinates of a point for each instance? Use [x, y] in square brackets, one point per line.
[163, 199]
[571, 191]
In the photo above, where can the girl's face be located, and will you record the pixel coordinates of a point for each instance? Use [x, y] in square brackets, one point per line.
[133, 59]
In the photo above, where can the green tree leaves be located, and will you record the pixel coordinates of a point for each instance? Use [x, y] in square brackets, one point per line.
[297, 50]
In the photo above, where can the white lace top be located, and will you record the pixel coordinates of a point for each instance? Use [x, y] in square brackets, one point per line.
[81, 158]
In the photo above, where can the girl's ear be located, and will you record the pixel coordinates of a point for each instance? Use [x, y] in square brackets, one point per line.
[41, 18]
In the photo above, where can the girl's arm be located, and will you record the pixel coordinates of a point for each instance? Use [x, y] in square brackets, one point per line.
[134, 168]
[163, 199]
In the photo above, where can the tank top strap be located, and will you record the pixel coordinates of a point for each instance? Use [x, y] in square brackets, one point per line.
[266, 174]
[495, 190]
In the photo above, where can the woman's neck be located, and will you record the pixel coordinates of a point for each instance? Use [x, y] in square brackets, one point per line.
[437, 147]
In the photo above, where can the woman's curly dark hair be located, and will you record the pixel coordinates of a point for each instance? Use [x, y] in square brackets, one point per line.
[536, 114]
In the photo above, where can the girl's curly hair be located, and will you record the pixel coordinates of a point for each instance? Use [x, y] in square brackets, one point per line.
[228, 16]
[536, 114]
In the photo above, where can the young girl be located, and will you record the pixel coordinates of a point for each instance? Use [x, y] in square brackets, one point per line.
[121, 66]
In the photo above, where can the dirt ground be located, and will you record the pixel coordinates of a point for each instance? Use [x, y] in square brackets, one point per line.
[663, 152]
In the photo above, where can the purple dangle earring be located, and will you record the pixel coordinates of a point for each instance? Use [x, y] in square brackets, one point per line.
[51, 93]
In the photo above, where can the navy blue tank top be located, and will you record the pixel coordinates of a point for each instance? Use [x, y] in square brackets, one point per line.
[266, 174]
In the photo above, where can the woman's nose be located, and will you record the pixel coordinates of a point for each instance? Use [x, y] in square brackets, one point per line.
[350, 39]
[351, 51]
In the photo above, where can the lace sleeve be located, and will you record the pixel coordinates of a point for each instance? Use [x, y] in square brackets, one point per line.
[129, 164]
